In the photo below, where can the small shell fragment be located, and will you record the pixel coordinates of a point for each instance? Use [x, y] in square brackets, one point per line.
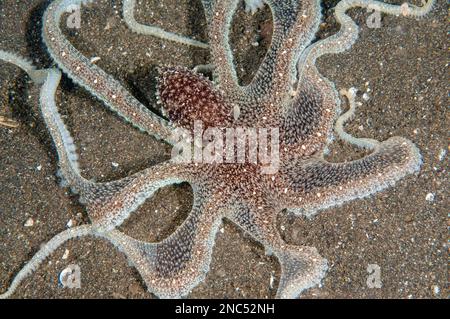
[95, 59]
[29, 222]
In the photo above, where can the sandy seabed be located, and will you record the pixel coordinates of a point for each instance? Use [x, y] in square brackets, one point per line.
[402, 69]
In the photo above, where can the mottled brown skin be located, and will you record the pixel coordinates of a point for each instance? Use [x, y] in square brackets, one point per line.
[188, 97]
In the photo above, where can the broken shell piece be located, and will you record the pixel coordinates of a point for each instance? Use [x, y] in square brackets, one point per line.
[70, 223]
[70, 277]
[429, 197]
[95, 59]
[66, 254]
[29, 222]
[4, 121]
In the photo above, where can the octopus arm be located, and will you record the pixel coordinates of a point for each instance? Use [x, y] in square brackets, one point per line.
[307, 120]
[94, 79]
[220, 17]
[301, 266]
[308, 186]
[108, 204]
[294, 23]
[174, 266]
[128, 16]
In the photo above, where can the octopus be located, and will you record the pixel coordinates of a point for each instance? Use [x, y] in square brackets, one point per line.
[287, 94]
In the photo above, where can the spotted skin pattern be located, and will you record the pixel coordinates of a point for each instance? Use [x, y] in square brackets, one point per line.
[287, 92]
